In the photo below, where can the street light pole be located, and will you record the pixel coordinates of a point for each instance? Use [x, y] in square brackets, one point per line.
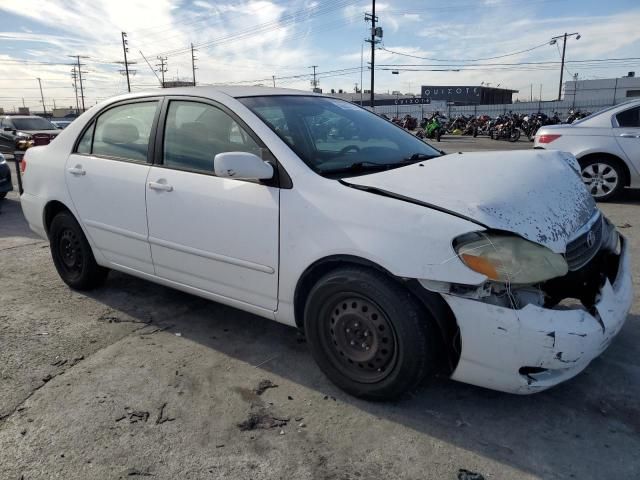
[554, 40]
[44, 107]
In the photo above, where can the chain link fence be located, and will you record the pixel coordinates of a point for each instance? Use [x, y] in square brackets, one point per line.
[562, 108]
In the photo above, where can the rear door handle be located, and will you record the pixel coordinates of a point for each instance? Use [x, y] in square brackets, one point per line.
[160, 186]
[77, 170]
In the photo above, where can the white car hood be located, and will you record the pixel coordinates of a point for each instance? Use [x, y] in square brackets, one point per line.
[536, 194]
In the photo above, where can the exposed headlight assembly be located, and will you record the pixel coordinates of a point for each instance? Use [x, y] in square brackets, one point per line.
[509, 259]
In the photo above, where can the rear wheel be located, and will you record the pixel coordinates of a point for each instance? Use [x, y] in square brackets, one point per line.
[603, 177]
[72, 254]
[368, 334]
[514, 135]
[2, 195]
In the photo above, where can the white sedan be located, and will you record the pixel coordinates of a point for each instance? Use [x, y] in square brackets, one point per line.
[395, 260]
[606, 144]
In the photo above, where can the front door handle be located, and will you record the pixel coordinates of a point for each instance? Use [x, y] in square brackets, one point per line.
[160, 186]
[77, 170]
[629, 135]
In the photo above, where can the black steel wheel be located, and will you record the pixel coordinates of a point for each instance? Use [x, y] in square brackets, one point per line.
[360, 338]
[368, 334]
[72, 254]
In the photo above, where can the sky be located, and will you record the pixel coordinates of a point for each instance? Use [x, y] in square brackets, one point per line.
[250, 41]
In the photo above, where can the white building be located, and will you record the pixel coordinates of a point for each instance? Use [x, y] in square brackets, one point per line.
[609, 90]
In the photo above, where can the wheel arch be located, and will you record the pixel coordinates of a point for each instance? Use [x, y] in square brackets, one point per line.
[51, 209]
[610, 156]
[432, 302]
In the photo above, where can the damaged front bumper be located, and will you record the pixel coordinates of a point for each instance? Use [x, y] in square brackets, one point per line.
[533, 348]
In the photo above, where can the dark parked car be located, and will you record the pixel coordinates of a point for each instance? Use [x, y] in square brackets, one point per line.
[61, 124]
[5, 178]
[19, 132]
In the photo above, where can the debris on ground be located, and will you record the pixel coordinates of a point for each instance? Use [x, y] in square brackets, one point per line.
[625, 225]
[134, 416]
[464, 474]
[76, 360]
[135, 472]
[264, 385]
[261, 420]
[161, 418]
[46, 378]
[59, 363]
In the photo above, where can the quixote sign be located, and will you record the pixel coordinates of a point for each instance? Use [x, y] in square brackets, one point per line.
[452, 94]
[396, 101]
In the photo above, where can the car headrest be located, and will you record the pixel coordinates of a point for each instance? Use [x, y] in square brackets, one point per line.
[194, 130]
[119, 133]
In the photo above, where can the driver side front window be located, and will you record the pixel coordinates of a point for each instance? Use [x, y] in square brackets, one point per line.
[196, 132]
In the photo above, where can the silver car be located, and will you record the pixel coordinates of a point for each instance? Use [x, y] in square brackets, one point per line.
[606, 144]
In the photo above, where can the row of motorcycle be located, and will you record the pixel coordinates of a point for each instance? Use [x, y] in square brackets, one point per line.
[509, 126]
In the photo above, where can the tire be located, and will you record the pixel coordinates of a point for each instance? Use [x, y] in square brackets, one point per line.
[368, 334]
[514, 135]
[475, 132]
[604, 178]
[438, 134]
[2, 195]
[72, 254]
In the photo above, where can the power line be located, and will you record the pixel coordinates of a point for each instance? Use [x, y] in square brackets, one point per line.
[464, 60]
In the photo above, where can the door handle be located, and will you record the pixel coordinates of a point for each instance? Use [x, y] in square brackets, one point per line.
[629, 135]
[77, 170]
[160, 186]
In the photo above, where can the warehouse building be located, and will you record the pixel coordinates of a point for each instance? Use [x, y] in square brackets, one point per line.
[608, 90]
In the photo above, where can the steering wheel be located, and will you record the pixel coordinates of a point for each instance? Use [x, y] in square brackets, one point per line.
[355, 148]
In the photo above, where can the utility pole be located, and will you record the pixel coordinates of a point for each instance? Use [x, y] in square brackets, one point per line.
[531, 95]
[554, 40]
[44, 107]
[79, 71]
[376, 32]
[163, 67]
[274, 80]
[361, 69]
[74, 75]
[125, 49]
[314, 82]
[193, 64]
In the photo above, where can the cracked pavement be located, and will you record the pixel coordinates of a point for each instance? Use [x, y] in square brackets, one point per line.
[136, 380]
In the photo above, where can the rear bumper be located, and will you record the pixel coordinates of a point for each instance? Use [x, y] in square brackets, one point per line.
[501, 345]
[33, 208]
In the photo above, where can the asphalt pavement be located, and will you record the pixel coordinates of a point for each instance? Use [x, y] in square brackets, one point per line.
[137, 380]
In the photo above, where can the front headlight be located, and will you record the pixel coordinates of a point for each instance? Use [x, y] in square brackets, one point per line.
[2, 159]
[509, 259]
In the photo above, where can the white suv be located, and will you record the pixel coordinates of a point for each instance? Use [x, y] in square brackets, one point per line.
[395, 260]
[606, 144]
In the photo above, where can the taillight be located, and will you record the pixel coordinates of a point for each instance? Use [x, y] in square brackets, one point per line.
[23, 165]
[548, 138]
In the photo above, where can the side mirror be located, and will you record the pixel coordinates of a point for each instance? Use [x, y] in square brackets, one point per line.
[242, 166]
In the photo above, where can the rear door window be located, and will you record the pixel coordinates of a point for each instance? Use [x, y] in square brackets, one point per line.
[629, 118]
[123, 132]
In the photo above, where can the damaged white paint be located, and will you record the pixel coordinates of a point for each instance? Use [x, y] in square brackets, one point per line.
[536, 194]
[498, 341]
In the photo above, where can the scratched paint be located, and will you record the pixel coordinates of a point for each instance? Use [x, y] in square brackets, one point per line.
[535, 194]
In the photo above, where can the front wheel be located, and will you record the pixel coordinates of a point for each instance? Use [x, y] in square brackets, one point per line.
[368, 334]
[603, 178]
[438, 134]
[72, 254]
[514, 135]
[2, 195]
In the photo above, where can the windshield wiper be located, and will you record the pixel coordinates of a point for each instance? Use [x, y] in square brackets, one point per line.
[358, 167]
[418, 156]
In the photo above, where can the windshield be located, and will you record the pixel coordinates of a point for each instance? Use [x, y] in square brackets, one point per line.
[333, 136]
[35, 123]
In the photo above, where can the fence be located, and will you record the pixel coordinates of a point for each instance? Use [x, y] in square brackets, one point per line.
[560, 107]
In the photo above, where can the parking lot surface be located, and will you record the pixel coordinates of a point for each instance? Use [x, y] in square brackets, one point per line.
[136, 380]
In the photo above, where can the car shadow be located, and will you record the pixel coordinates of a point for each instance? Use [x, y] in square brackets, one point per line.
[628, 196]
[543, 434]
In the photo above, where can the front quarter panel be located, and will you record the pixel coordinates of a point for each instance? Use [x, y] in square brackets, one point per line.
[322, 218]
